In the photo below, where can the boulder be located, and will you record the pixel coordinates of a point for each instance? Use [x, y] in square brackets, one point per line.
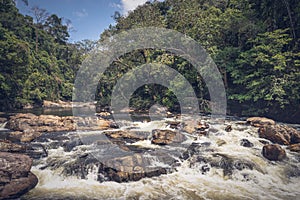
[280, 134]
[31, 124]
[130, 168]
[15, 176]
[246, 143]
[294, 147]
[228, 128]
[163, 137]
[273, 152]
[260, 121]
[193, 127]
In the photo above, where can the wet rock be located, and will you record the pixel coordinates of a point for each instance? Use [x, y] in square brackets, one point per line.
[103, 114]
[202, 128]
[131, 168]
[35, 151]
[246, 143]
[15, 176]
[124, 168]
[173, 124]
[220, 142]
[195, 149]
[2, 120]
[193, 127]
[294, 147]
[280, 134]
[229, 164]
[70, 145]
[228, 128]
[126, 135]
[260, 121]
[273, 152]
[8, 146]
[163, 137]
[264, 141]
[26, 136]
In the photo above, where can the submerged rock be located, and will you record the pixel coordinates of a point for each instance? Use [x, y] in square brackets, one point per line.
[15, 176]
[273, 152]
[280, 134]
[260, 121]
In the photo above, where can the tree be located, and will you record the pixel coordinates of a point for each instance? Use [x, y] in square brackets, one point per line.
[40, 17]
[54, 26]
[266, 71]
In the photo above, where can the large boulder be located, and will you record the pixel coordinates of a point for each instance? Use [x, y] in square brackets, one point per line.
[15, 176]
[163, 137]
[280, 134]
[260, 121]
[273, 152]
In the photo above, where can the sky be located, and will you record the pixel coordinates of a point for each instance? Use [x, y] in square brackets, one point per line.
[89, 17]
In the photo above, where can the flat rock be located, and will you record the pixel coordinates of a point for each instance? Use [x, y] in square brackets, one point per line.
[164, 137]
[31, 125]
[260, 121]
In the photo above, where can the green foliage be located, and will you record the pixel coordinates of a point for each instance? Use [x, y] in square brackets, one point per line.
[36, 62]
[254, 44]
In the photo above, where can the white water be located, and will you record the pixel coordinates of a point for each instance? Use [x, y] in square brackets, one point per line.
[268, 180]
[2, 126]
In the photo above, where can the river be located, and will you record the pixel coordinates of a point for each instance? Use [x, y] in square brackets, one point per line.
[225, 170]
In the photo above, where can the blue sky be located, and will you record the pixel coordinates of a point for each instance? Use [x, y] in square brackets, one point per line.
[89, 17]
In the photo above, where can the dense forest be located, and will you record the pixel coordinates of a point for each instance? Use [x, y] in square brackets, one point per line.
[36, 60]
[255, 45]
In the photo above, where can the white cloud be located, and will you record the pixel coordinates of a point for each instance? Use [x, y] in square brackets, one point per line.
[81, 13]
[129, 5]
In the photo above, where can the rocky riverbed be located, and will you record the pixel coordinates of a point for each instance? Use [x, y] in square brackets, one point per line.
[92, 158]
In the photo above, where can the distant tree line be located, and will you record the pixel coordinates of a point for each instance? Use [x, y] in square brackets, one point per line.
[255, 44]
